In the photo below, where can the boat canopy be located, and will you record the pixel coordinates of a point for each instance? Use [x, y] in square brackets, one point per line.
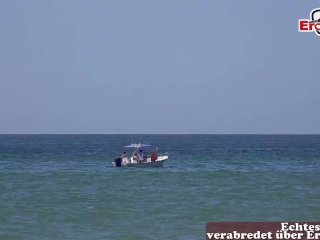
[137, 145]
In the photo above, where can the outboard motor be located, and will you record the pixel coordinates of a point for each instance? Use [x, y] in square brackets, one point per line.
[118, 162]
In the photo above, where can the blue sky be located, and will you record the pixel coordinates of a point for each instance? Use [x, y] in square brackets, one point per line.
[158, 67]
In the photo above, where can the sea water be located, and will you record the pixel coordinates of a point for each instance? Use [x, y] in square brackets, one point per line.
[65, 187]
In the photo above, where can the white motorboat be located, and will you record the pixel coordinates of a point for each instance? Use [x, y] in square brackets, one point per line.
[143, 155]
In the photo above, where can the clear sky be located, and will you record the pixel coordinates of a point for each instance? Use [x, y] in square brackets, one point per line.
[201, 66]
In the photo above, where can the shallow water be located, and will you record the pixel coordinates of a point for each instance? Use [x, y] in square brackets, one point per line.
[64, 186]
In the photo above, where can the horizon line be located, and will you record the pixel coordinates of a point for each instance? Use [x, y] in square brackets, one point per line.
[159, 133]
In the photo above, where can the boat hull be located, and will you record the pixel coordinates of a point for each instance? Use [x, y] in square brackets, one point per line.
[145, 164]
[158, 163]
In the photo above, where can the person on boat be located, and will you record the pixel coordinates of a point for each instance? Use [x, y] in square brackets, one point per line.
[142, 156]
[154, 156]
[124, 155]
[125, 159]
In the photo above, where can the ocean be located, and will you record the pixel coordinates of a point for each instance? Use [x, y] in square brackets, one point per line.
[65, 187]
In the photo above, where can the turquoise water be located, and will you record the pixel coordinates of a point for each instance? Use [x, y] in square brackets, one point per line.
[64, 186]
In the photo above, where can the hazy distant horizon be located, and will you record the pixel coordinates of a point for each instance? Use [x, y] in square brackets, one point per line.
[162, 67]
[253, 134]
